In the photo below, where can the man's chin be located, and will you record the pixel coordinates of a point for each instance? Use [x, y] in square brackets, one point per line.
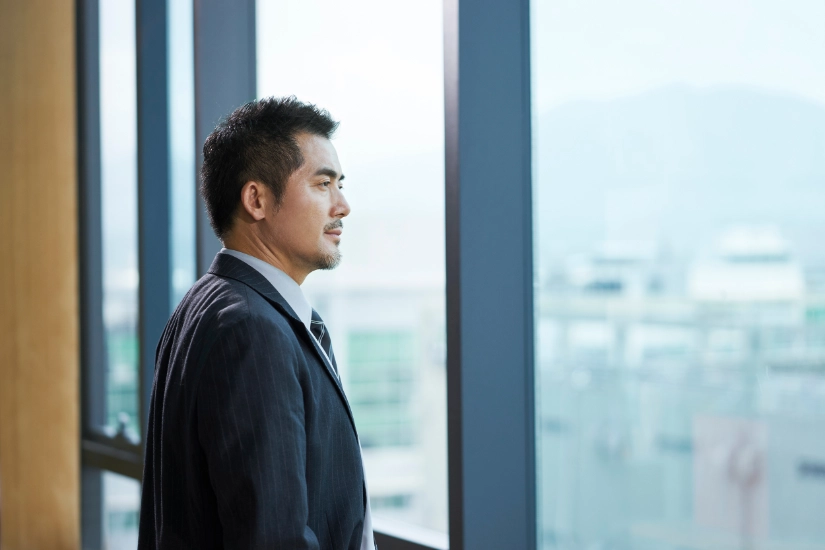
[329, 261]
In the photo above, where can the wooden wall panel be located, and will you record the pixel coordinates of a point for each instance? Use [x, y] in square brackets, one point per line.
[39, 344]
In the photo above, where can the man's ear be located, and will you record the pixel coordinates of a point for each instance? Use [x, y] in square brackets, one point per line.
[254, 196]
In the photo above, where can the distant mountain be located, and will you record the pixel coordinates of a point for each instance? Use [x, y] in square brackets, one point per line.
[677, 166]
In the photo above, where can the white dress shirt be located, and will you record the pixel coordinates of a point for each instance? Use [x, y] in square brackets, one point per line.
[294, 296]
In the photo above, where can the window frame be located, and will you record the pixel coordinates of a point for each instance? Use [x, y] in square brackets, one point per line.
[92, 351]
[225, 78]
[491, 410]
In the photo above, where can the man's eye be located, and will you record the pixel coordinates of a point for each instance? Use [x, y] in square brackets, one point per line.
[325, 183]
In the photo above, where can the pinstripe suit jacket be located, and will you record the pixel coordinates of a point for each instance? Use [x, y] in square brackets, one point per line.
[251, 442]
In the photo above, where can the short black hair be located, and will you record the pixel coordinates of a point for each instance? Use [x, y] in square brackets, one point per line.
[257, 142]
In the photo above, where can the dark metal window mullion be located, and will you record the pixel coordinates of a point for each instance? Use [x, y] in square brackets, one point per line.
[225, 78]
[154, 223]
[92, 349]
[387, 541]
[490, 384]
[102, 454]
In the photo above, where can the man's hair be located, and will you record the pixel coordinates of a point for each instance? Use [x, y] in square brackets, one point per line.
[257, 142]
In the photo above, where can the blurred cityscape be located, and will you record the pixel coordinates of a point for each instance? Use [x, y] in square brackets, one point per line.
[680, 321]
[683, 410]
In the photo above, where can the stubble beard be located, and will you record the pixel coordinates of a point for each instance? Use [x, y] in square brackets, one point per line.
[327, 261]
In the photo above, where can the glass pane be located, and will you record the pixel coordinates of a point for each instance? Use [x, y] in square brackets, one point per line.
[118, 152]
[383, 79]
[680, 273]
[182, 141]
[121, 511]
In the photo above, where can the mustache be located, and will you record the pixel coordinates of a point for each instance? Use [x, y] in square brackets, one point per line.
[338, 224]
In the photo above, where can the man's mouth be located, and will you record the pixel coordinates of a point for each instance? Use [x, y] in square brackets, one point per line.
[335, 228]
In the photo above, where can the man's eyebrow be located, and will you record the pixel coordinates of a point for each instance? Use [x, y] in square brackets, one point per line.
[329, 172]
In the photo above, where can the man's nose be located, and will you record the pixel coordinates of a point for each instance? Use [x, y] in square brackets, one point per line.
[342, 207]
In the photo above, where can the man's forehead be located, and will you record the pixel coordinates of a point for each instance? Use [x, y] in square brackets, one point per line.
[318, 152]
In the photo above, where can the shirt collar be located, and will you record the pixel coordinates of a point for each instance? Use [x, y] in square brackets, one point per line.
[283, 283]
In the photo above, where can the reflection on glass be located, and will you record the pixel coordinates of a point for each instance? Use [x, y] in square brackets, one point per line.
[382, 79]
[118, 152]
[680, 305]
[182, 141]
[381, 372]
[121, 511]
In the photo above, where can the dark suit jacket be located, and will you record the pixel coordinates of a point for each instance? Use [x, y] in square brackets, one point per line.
[251, 442]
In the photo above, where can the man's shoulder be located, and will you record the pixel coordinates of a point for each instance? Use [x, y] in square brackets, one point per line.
[219, 303]
[224, 313]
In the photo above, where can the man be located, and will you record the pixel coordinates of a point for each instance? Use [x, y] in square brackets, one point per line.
[251, 441]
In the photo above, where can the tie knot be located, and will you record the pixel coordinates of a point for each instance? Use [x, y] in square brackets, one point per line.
[316, 317]
[316, 325]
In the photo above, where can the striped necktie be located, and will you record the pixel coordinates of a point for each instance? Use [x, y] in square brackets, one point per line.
[319, 330]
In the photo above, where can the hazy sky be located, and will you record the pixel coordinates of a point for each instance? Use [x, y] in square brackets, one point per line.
[377, 66]
[118, 152]
[587, 49]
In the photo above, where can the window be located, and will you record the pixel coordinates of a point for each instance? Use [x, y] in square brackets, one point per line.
[677, 312]
[183, 175]
[394, 319]
[678, 214]
[118, 213]
[124, 90]
[121, 497]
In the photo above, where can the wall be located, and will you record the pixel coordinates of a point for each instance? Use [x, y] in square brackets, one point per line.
[39, 345]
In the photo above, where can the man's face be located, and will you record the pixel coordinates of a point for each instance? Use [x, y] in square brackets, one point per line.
[305, 229]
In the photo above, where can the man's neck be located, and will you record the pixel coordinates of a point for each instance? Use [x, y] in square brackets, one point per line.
[256, 248]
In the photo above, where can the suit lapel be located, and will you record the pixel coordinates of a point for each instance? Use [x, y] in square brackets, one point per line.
[228, 266]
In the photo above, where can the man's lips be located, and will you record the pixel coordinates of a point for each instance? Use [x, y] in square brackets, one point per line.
[334, 232]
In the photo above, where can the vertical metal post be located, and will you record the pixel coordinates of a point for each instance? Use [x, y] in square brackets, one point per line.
[91, 517]
[225, 78]
[92, 348]
[490, 383]
[92, 351]
[153, 187]
[452, 229]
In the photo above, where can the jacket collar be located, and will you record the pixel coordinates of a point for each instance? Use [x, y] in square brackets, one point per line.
[226, 265]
